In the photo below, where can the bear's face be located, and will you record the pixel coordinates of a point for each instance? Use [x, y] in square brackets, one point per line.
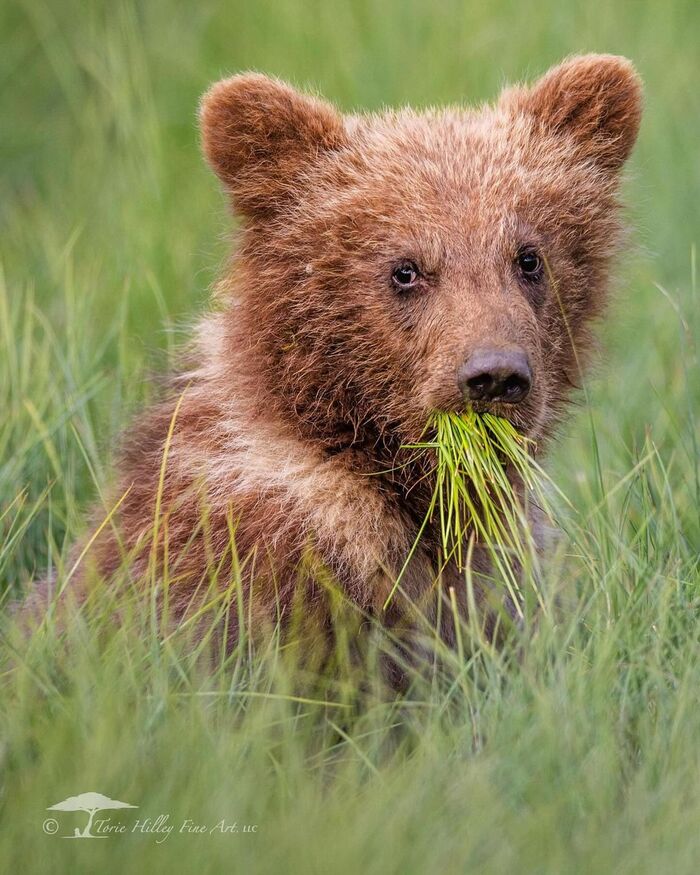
[397, 264]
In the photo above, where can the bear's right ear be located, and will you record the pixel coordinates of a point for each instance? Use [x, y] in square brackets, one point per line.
[259, 135]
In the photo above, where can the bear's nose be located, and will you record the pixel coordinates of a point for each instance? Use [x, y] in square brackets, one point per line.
[495, 375]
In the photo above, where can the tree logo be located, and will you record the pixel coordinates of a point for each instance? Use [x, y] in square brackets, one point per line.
[90, 803]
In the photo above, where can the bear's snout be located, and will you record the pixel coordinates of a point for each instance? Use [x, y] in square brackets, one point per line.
[495, 375]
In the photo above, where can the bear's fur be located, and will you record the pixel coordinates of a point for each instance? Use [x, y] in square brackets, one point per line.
[314, 369]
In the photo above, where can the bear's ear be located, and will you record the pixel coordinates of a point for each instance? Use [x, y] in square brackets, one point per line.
[595, 100]
[259, 135]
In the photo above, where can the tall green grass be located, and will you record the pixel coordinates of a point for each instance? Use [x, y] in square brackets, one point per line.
[572, 749]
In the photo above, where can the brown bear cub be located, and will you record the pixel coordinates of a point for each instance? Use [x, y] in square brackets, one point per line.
[389, 265]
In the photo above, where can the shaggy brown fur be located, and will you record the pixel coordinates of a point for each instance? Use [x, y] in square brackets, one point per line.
[316, 369]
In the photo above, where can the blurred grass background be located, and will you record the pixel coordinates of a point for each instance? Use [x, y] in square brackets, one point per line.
[584, 756]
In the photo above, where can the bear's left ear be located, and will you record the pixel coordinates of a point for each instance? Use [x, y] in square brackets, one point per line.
[595, 100]
[260, 135]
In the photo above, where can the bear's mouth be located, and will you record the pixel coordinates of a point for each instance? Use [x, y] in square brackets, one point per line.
[516, 415]
[523, 417]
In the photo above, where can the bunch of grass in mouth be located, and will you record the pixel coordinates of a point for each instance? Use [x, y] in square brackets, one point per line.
[474, 500]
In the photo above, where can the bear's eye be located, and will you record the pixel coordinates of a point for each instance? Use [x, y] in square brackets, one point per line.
[405, 275]
[530, 263]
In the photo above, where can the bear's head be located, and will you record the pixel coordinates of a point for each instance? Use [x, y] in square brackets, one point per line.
[400, 263]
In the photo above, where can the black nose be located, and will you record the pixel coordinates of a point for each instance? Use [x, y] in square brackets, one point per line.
[495, 375]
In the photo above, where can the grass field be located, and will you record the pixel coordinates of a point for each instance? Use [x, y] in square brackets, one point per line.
[577, 750]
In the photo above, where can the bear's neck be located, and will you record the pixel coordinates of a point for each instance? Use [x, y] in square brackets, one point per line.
[364, 448]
